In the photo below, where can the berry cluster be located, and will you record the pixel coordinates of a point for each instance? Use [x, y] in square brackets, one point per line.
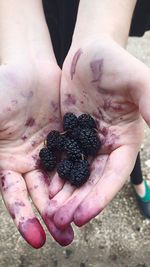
[78, 141]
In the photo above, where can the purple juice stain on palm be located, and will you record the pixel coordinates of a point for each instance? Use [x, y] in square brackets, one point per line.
[9, 109]
[54, 119]
[27, 95]
[110, 142]
[24, 137]
[6, 183]
[117, 107]
[107, 104]
[19, 203]
[34, 143]
[69, 100]
[74, 63]
[54, 106]
[43, 176]
[97, 70]
[30, 122]
[104, 131]
[37, 161]
[2, 181]
[101, 115]
[14, 102]
[32, 232]
[105, 91]
[35, 187]
[14, 209]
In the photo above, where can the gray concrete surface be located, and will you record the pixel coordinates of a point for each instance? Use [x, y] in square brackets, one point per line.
[120, 237]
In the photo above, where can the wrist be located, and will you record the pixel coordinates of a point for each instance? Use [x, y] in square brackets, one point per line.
[104, 19]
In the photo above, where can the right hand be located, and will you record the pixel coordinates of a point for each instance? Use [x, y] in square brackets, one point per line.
[29, 97]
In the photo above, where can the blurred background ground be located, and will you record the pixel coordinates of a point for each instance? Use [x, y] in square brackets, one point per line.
[119, 237]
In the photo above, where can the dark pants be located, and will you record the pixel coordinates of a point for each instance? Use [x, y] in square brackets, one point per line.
[61, 17]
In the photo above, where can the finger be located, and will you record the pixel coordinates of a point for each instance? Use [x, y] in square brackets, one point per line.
[58, 200]
[38, 186]
[56, 185]
[64, 215]
[117, 170]
[14, 192]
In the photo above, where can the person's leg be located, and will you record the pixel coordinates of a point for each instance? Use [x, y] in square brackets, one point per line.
[136, 174]
[140, 24]
[141, 187]
[137, 177]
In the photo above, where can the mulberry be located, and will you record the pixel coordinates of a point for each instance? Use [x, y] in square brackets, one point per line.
[48, 159]
[89, 141]
[70, 121]
[72, 150]
[79, 173]
[52, 140]
[64, 169]
[86, 121]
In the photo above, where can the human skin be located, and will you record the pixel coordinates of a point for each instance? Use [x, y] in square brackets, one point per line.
[99, 77]
[29, 96]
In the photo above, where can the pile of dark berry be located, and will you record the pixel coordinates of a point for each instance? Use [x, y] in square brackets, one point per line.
[76, 143]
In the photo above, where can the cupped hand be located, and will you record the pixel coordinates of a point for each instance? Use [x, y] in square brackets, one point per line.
[29, 95]
[102, 79]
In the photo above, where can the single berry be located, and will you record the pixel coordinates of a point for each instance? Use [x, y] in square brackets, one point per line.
[48, 159]
[89, 141]
[86, 121]
[61, 141]
[79, 173]
[52, 140]
[70, 121]
[72, 150]
[64, 169]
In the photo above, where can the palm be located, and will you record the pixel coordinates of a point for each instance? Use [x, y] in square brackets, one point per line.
[101, 80]
[29, 110]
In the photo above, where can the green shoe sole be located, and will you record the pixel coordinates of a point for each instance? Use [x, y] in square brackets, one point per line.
[144, 202]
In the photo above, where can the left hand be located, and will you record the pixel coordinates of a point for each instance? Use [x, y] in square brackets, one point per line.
[102, 79]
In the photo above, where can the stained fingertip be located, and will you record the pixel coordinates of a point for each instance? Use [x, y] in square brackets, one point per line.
[82, 216]
[79, 217]
[32, 231]
[67, 236]
[61, 218]
[78, 221]
[62, 237]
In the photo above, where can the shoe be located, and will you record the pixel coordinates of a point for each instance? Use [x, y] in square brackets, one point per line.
[144, 202]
